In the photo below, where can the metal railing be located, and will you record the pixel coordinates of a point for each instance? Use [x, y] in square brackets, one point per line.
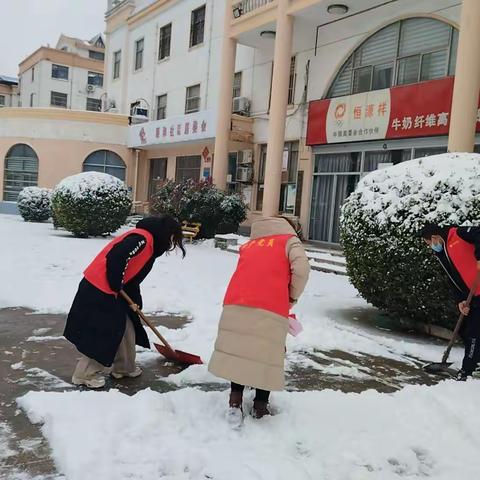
[247, 6]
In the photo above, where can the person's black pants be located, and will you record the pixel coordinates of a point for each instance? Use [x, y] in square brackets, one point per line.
[470, 334]
[260, 395]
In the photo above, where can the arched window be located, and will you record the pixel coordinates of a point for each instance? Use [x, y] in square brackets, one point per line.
[106, 162]
[408, 51]
[21, 170]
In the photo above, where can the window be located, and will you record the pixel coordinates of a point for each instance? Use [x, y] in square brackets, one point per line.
[58, 99]
[158, 175]
[188, 168]
[161, 107]
[197, 26]
[2, 100]
[165, 42]
[95, 78]
[232, 172]
[192, 101]
[21, 170]
[94, 105]
[117, 58]
[139, 46]
[33, 74]
[59, 72]
[96, 55]
[288, 189]
[32, 95]
[105, 161]
[237, 85]
[292, 81]
[408, 51]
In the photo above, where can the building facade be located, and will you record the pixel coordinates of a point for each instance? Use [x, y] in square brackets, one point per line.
[8, 91]
[68, 76]
[286, 102]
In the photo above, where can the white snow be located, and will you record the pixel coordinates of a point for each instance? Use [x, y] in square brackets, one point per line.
[45, 338]
[83, 184]
[438, 188]
[415, 433]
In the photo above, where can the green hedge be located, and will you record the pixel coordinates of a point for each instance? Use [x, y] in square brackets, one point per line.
[201, 202]
[91, 204]
[391, 267]
[34, 204]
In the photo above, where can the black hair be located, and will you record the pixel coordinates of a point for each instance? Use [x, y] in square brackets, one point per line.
[295, 225]
[167, 233]
[433, 229]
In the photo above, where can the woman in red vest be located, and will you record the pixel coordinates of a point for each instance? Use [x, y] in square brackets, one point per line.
[250, 349]
[100, 323]
[458, 251]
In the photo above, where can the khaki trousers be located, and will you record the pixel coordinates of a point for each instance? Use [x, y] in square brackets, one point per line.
[124, 362]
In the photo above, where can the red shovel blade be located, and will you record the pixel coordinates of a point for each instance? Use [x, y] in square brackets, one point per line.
[180, 357]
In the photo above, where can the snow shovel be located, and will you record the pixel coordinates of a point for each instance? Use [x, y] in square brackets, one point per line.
[443, 366]
[166, 350]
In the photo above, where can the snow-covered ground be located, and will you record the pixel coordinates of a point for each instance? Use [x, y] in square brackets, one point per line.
[417, 432]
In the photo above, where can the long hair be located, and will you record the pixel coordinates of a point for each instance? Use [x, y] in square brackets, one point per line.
[167, 233]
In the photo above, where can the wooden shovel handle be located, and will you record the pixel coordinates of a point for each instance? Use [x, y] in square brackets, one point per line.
[152, 327]
[459, 324]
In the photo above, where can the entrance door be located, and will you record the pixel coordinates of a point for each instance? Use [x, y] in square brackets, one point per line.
[335, 178]
[158, 175]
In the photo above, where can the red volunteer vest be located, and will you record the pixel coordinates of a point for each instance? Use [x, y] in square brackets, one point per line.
[262, 277]
[96, 272]
[462, 255]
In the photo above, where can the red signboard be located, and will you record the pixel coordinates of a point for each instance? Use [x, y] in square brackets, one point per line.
[418, 110]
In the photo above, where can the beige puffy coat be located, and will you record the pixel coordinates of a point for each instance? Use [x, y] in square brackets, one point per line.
[250, 346]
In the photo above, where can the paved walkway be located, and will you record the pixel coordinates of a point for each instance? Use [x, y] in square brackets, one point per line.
[34, 356]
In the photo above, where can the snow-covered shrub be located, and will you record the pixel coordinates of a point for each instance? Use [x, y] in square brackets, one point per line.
[91, 204]
[389, 265]
[201, 202]
[34, 204]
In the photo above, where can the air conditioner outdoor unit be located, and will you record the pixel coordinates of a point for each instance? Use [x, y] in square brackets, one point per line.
[245, 157]
[241, 105]
[90, 88]
[139, 115]
[244, 174]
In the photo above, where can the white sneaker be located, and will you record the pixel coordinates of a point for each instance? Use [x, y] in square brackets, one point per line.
[95, 382]
[136, 373]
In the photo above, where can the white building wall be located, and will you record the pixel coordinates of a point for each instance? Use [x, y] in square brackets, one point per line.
[185, 67]
[44, 84]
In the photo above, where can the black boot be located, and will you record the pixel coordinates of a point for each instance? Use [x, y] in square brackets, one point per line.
[236, 399]
[260, 409]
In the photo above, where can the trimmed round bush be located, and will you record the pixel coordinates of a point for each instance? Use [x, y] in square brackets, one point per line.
[387, 262]
[34, 204]
[201, 202]
[91, 204]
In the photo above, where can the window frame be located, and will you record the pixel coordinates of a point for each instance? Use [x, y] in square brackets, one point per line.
[394, 60]
[292, 80]
[104, 165]
[165, 42]
[24, 177]
[90, 99]
[237, 84]
[94, 55]
[117, 63]
[193, 97]
[139, 54]
[57, 67]
[162, 108]
[197, 26]
[91, 75]
[195, 178]
[3, 100]
[52, 93]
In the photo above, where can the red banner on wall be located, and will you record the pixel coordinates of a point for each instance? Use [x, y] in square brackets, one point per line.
[407, 111]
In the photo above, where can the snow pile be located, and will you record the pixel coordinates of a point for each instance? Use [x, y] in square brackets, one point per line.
[34, 204]
[441, 188]
[83, 185]
[417, 432]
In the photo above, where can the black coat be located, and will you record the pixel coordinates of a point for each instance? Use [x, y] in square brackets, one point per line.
[97, 320]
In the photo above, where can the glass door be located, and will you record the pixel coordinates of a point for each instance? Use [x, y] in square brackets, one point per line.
[158, 175]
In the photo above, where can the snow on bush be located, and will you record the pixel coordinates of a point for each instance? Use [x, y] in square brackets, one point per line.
[91, 204]
[34, 204]
[389, 265]
[201, 202]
